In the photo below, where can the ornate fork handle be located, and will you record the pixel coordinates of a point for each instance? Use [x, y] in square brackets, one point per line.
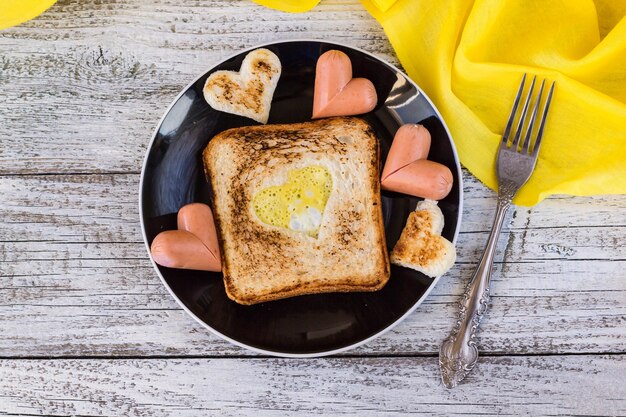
[458, 353]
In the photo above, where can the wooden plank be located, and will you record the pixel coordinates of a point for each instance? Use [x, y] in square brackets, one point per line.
[76, 279]
[504, 386]
[84, 86]
[98, 305]
[70, 208]
[104, 208]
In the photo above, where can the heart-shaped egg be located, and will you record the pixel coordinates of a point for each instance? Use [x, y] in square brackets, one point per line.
[299, 203]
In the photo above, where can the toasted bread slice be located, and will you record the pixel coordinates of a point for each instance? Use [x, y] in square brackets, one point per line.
[248, 92]
[421, 246]
[264, 261]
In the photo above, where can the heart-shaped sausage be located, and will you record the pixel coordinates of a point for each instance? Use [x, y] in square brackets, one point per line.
[194, 245]
[408, 171]
[336, 92]
[248, 92]
[421, 246]
[299, 203]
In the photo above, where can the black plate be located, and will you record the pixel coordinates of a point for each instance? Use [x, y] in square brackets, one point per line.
[309, 325]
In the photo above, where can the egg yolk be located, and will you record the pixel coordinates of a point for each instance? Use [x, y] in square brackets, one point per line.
[299, 203]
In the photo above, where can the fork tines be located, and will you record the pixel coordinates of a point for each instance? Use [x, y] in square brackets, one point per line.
[526, 126]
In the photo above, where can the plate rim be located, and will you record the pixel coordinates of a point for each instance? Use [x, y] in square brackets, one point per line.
[279, 353]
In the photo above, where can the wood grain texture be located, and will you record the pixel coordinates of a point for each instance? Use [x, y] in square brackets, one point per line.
[536, 386]
[76, 279]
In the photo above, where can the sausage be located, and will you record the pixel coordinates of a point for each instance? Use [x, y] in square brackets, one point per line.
[194, 245]
[182, 249]
[197, 218]
[332, 73]
[421, 178]
[411, 143]
[336, 92]
[408, 171]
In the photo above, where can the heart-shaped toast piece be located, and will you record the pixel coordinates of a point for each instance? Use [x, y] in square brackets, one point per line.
[299, 203]
[248, 92]
[336, 92]
[421, 246]
[194, 245]
[408, 171]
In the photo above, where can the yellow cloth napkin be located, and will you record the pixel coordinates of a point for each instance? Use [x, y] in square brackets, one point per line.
[469, 57]
[14, 12]
[289, 5]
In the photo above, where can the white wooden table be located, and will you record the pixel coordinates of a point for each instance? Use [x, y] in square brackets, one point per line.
[87, 328]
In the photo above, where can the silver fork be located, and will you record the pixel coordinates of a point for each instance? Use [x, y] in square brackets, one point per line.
[514, 165]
